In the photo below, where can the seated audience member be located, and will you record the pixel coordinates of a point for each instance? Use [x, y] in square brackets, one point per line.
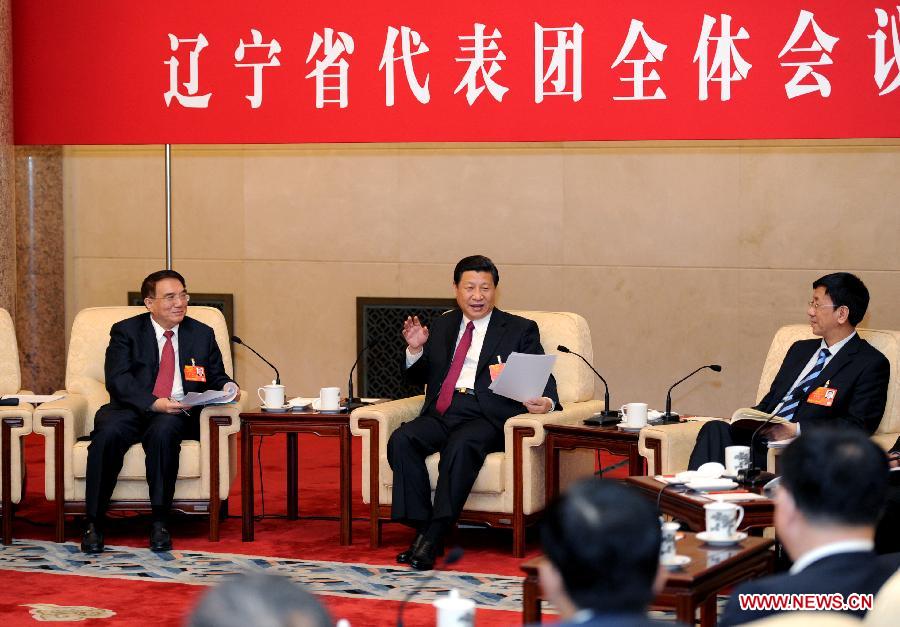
[601, 540]
[887, 535]
[832, 491]
[461, 417]
[261, 600]
[856, 374]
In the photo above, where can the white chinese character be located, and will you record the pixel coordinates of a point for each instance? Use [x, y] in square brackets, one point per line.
[477, 64]
[655, 51]
[823, 42]
[883, 65]
[722, 59]
[191, 99]
[408, 39]
[273, 48]
[332, 49]
[558, 62]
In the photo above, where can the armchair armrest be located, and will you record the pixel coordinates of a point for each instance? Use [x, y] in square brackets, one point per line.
[65, 418]
[21, 412]
[228, 422]
[573, 414]
[673, 443]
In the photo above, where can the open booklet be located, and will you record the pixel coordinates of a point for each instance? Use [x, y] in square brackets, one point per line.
[752, 418]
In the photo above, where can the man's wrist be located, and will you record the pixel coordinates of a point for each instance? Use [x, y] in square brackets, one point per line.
[413, 351]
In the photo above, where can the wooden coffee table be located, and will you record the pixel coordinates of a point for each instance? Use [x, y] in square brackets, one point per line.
[292, 423]
[711, 569]
[567, 437]
[688, 507]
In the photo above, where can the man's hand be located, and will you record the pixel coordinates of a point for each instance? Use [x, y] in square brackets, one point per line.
[415, 334]
[167, 406]
[539, 405]
[781, 432]
[232, 387]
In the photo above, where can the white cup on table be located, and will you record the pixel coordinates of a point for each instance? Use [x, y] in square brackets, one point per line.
[271, 396]
[723, 519]
[329, 399]
[635, 414]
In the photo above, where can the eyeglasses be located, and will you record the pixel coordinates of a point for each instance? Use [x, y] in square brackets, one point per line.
[816, 305]
[172, 298]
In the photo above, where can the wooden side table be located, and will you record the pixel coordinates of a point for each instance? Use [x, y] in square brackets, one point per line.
[292, 423]
[567, 437]
[696, 585]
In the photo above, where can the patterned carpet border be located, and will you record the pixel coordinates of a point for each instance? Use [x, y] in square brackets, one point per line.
[203, 568]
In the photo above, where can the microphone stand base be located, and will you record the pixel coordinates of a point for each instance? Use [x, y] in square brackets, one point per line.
[756, 478]
[604, 418]
[353, 403]
[668, 419]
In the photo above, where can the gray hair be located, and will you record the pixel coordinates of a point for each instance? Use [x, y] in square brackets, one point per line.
[262, 600]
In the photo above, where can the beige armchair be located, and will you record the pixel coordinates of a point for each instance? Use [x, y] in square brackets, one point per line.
[509, 490]
[205, 469]
[15, 423]
[667, 448]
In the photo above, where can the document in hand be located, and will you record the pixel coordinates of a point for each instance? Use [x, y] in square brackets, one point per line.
[524, 376]
[748, 413]
[209, 397]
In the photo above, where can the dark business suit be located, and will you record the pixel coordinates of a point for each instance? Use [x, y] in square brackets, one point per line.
[470, 429]
[132, 363]
[861, 572]
[887, 535]
[860, 374]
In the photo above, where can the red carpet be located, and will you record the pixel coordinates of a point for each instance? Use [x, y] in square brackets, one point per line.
[487, 551]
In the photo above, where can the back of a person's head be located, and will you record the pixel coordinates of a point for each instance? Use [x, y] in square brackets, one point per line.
[836, 476]
[260, 600]
[603, 538]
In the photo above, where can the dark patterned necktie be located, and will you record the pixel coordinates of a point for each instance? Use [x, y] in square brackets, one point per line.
[792, 400]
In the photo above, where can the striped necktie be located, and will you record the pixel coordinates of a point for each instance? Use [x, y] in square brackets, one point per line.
[792, 400]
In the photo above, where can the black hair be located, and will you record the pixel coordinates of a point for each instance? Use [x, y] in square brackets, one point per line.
[475, 263]
[846, 290]
[148, 287]
[836, 476]
[603, 538]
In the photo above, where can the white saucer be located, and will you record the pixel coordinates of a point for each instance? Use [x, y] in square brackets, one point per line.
[676, 561]
[276, 410]
[703, 536]
[705, 484]
[624, 427]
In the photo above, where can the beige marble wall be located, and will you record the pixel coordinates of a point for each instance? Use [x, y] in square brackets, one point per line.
[7, 168]
[40, 319]
[678, 254]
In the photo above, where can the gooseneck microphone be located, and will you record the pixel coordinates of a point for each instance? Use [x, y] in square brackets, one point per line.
[238, 340]
[453, 555]
[607, 416]
[669, 417]
[352, 401]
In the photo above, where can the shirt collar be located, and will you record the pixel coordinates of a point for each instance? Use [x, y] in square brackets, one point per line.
[481, 324]
[827, 550]
[158, 330]
[834, 348]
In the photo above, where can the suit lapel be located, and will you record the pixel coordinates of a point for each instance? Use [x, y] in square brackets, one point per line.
[799, 363]
[496, 329]
[453, 332]
[148, 340]
[844, 357]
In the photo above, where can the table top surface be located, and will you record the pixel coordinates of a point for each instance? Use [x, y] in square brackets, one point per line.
[706, 561]
[650, 484]
[307, 415]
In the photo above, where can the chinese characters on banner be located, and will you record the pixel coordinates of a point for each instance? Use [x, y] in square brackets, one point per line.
[470, 72]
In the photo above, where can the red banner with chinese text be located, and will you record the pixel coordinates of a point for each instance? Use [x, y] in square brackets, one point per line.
[216, 71]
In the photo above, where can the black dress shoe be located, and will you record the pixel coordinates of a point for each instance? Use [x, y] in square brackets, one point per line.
[403, 558]
[424, 556]
[160, 540]
[91, 540]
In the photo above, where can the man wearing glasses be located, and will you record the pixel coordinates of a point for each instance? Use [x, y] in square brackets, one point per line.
[152, 361]
[840, 380]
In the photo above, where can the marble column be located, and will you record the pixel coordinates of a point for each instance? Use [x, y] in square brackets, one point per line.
[7, 167]
[40, 306]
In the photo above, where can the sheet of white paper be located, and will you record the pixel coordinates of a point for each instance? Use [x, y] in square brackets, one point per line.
[524, 376]
[35, 398]
[208, 397]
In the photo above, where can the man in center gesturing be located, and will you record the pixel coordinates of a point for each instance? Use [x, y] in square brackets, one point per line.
[461, 418]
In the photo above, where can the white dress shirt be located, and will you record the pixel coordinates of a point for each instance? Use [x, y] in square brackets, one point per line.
[827, 550]
[177, 386]
[470, 365]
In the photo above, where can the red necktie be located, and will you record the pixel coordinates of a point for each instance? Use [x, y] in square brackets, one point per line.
[166, 375]
[456, 365]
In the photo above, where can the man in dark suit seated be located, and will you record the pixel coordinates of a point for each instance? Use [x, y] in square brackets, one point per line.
[461, 418]
[832, 491]
[601, 542]
[840, 380]
[152, 361]
[887, 535]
